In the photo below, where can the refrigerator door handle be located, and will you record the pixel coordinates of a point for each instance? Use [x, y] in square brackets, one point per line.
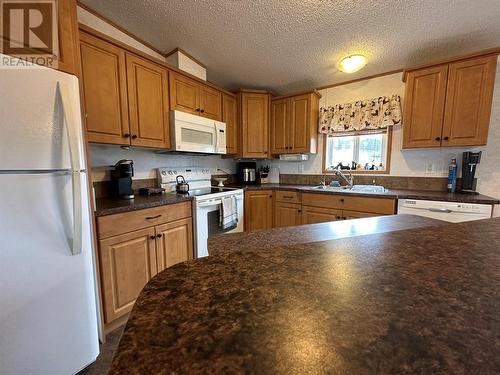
[72, 128]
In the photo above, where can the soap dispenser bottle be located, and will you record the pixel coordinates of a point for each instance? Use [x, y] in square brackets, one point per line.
[452, 176]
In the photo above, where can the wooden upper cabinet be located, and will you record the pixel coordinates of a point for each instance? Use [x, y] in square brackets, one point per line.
[424, 107]
[258, 209]
[183, 93]
[230, 117]
[254, 140]
[128, 262]
[300, 123]
[210, 102]
[104, 91]
[280, 113]
[174, 243]
[468, 101]
[449, 105]
[294, 123]
[148, 103]
[189, 95]
[69, 57]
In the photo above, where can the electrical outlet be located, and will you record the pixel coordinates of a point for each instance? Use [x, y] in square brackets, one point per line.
[430, 167]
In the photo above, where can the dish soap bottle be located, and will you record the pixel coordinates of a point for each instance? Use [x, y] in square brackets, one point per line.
[452, 176]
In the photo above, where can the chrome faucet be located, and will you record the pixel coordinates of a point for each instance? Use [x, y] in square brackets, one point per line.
[349, 180]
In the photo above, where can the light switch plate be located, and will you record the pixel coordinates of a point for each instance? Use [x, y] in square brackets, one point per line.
[430, 167]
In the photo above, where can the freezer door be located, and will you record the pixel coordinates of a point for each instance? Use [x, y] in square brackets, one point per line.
[48, 319]
[34, 133]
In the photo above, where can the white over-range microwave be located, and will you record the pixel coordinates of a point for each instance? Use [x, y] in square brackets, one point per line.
[191, 133]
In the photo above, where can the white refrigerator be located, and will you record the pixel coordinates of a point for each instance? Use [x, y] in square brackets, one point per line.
[48, 314]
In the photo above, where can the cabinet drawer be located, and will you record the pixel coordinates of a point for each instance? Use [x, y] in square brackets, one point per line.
[113, 225]
[287, 196]
[346, 202]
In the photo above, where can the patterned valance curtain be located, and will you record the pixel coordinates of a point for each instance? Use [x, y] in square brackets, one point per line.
[362, 115]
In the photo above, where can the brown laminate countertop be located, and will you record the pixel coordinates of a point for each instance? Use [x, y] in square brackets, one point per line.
[109, 206]
[423, 300]
[260, 240]
[389, 193]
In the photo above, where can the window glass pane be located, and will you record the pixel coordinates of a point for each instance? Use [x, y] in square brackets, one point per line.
[368, 151]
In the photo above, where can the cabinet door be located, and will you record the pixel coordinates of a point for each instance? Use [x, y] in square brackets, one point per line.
[287, 214]
[230, 117]
[346, 214]
[313, 215]
[210, 102]
[68, 37]
[174, 243]
[255, 125]
[468, 101]
[258, 210]
[128, 262]
[280, 111]
[183, 94]
[424, 107]
[148, 103]
[300, 117]
[104, 90]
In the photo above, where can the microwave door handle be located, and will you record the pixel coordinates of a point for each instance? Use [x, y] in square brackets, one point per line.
[216, 138]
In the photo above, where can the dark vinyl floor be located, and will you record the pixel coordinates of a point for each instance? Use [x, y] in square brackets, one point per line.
[101, 365]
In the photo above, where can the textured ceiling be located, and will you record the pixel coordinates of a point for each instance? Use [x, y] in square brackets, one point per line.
[289, 45]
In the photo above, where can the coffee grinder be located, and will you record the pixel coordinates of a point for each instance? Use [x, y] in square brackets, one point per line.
[121, 179]
[469, 162]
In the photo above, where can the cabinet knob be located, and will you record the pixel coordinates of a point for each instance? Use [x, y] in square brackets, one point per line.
[446, 138]
[342, 200]
[126, 135]
[152, 237]
[438, 138]
[197, 110]
[134, 136]
[159, 235]
[270, 196]
[299, 210]
[202, 110]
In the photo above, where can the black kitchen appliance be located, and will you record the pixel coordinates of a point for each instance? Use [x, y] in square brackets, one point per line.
[247, 173]
[121, 179]
[469, 162]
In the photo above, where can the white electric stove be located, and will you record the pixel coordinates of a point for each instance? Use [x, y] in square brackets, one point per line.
[206, 205]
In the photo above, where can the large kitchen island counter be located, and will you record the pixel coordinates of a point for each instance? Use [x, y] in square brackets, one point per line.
[421, 300]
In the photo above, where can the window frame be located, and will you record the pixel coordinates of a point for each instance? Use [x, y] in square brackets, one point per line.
[388, 157]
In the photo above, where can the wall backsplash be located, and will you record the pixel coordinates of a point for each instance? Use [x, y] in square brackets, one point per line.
[146, 161]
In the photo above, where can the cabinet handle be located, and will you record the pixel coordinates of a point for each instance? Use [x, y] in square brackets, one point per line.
[134, 136]
[438, 138]
[153, 217]
[126, 135]
[299, 210]
[152, 237]
[202, 110]
[338, 217]
[270, 196]
[197, 110]
[287, 197]
[159, 235]
[446, 138]
[342, 200]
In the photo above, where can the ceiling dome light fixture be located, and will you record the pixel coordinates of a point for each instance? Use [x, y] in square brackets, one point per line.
[352, 63]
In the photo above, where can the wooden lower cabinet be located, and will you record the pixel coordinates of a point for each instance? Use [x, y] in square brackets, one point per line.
[287, 214]
[258, 210]
[129, 258]
[174, 243]
[346, 214]
[128, 262]
[313, 215]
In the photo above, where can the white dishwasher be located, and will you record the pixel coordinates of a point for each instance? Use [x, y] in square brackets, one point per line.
[454, 212]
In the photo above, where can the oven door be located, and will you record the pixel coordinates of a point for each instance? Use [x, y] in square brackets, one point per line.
[207, 223]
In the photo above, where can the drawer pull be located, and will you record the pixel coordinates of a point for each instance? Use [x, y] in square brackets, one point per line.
[288, 196]
[153, 217]
[152, 237]
[342, 200]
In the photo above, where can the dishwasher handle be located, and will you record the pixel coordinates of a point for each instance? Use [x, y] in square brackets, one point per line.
[442, 210]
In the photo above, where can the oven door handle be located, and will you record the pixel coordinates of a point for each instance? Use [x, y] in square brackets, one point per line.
[214, 202]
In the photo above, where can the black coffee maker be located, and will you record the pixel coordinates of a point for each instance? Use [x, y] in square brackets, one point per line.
[469, 162]
[121, 179]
